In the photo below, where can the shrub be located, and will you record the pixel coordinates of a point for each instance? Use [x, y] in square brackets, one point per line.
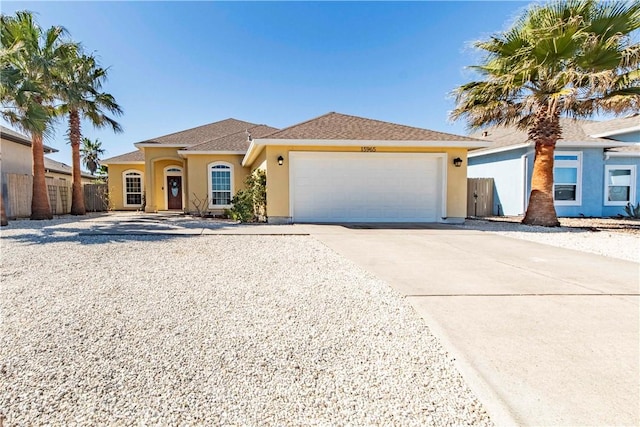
[250, 204]
[631, 211]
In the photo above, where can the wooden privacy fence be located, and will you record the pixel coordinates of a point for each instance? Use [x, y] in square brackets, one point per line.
[17, 191]
[479, 196]
[96, 197]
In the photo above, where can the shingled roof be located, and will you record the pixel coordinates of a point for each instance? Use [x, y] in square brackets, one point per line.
[201, 134]
[613, 126]
[11, 135]
[134, 156]
[238, 141]
[59, 167]
[336, 126]
[573, 130]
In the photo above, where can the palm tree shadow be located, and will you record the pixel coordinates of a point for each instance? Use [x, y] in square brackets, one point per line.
[105, 228]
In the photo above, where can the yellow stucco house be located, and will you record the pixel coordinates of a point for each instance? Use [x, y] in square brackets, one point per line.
[334, 168]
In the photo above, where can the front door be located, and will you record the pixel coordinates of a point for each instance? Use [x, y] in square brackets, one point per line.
[174, 192]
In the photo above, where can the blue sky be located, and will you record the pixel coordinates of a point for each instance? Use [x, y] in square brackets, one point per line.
[176, 65]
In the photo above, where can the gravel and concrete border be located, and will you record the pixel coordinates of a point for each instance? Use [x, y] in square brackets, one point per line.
[211, 329]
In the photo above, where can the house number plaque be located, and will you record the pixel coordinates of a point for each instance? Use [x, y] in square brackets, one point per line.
[368, 149]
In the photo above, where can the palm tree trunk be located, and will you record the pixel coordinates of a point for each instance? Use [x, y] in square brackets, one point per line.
[77, 192]
[545, 132]
[40, 208]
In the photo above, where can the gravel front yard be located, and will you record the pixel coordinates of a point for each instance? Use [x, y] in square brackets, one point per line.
[616, 238]
[243, 330]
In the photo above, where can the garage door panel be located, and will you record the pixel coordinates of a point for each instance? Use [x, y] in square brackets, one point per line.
[342, 187]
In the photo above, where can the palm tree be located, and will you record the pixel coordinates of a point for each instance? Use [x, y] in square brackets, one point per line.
[570, 58]
[28, 58]
[78, 86]
[91, 153]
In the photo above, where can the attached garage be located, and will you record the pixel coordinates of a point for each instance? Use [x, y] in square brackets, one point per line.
[366, 187]
[340, 168]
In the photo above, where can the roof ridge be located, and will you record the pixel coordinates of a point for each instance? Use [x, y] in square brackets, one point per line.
[398, 124]
[300, 124]
[227, 135]
[383, 122]
[196, 127]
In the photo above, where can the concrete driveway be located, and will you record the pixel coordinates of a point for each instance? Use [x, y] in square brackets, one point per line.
[543, 335]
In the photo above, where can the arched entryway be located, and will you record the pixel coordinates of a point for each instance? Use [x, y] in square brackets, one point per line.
[173, 188]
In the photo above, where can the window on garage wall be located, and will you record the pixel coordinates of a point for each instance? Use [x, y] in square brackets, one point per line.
[220, 184]
[619, 185]
[132, 182]
[567, 178]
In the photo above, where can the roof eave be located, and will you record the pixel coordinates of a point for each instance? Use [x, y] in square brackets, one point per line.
[560, 144]
[252, 153]
[616, 132]
[183, 153]
[485, 152]
[122, 162]
[158, 145]
[367, 142]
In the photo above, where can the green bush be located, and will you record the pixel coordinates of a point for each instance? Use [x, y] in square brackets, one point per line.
[250, 204]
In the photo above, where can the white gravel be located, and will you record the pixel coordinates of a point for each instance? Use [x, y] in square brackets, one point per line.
[611, 244]
[211, 330]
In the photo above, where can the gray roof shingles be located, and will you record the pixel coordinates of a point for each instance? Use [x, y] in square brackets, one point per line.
[336, 126]
[238, 141]
[55, 166]
[573, 130]
[595, 128]
[201, 134]
[133, 156]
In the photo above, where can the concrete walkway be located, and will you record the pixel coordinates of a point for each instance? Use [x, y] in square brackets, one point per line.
[543, 335]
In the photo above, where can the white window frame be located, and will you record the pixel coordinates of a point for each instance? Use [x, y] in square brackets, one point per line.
[569, 164]
[124, 188]
[210, 167]
[632, 189]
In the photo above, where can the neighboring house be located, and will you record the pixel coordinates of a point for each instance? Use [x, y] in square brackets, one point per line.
[16, 170]
[595, 167]
[59, 170]
[15, 152]
[334, 168]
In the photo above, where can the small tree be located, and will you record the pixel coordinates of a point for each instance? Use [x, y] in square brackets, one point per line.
[91, 152]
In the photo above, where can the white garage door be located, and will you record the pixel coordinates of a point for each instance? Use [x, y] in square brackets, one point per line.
[365, 187]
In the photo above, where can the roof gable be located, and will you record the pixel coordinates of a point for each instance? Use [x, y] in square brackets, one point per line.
[201, 134]
[238, 141]
[133, 156]
[336, 126]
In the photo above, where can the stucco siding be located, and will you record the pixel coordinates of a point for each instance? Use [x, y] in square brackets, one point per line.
[159, 182]
[16, 158]
[508, 172]
[116, 185]
[278, 176]
[156, 159]
[198, 175]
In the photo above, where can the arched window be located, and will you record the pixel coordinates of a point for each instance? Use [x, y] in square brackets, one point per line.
[220, 184]
[132, 188]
